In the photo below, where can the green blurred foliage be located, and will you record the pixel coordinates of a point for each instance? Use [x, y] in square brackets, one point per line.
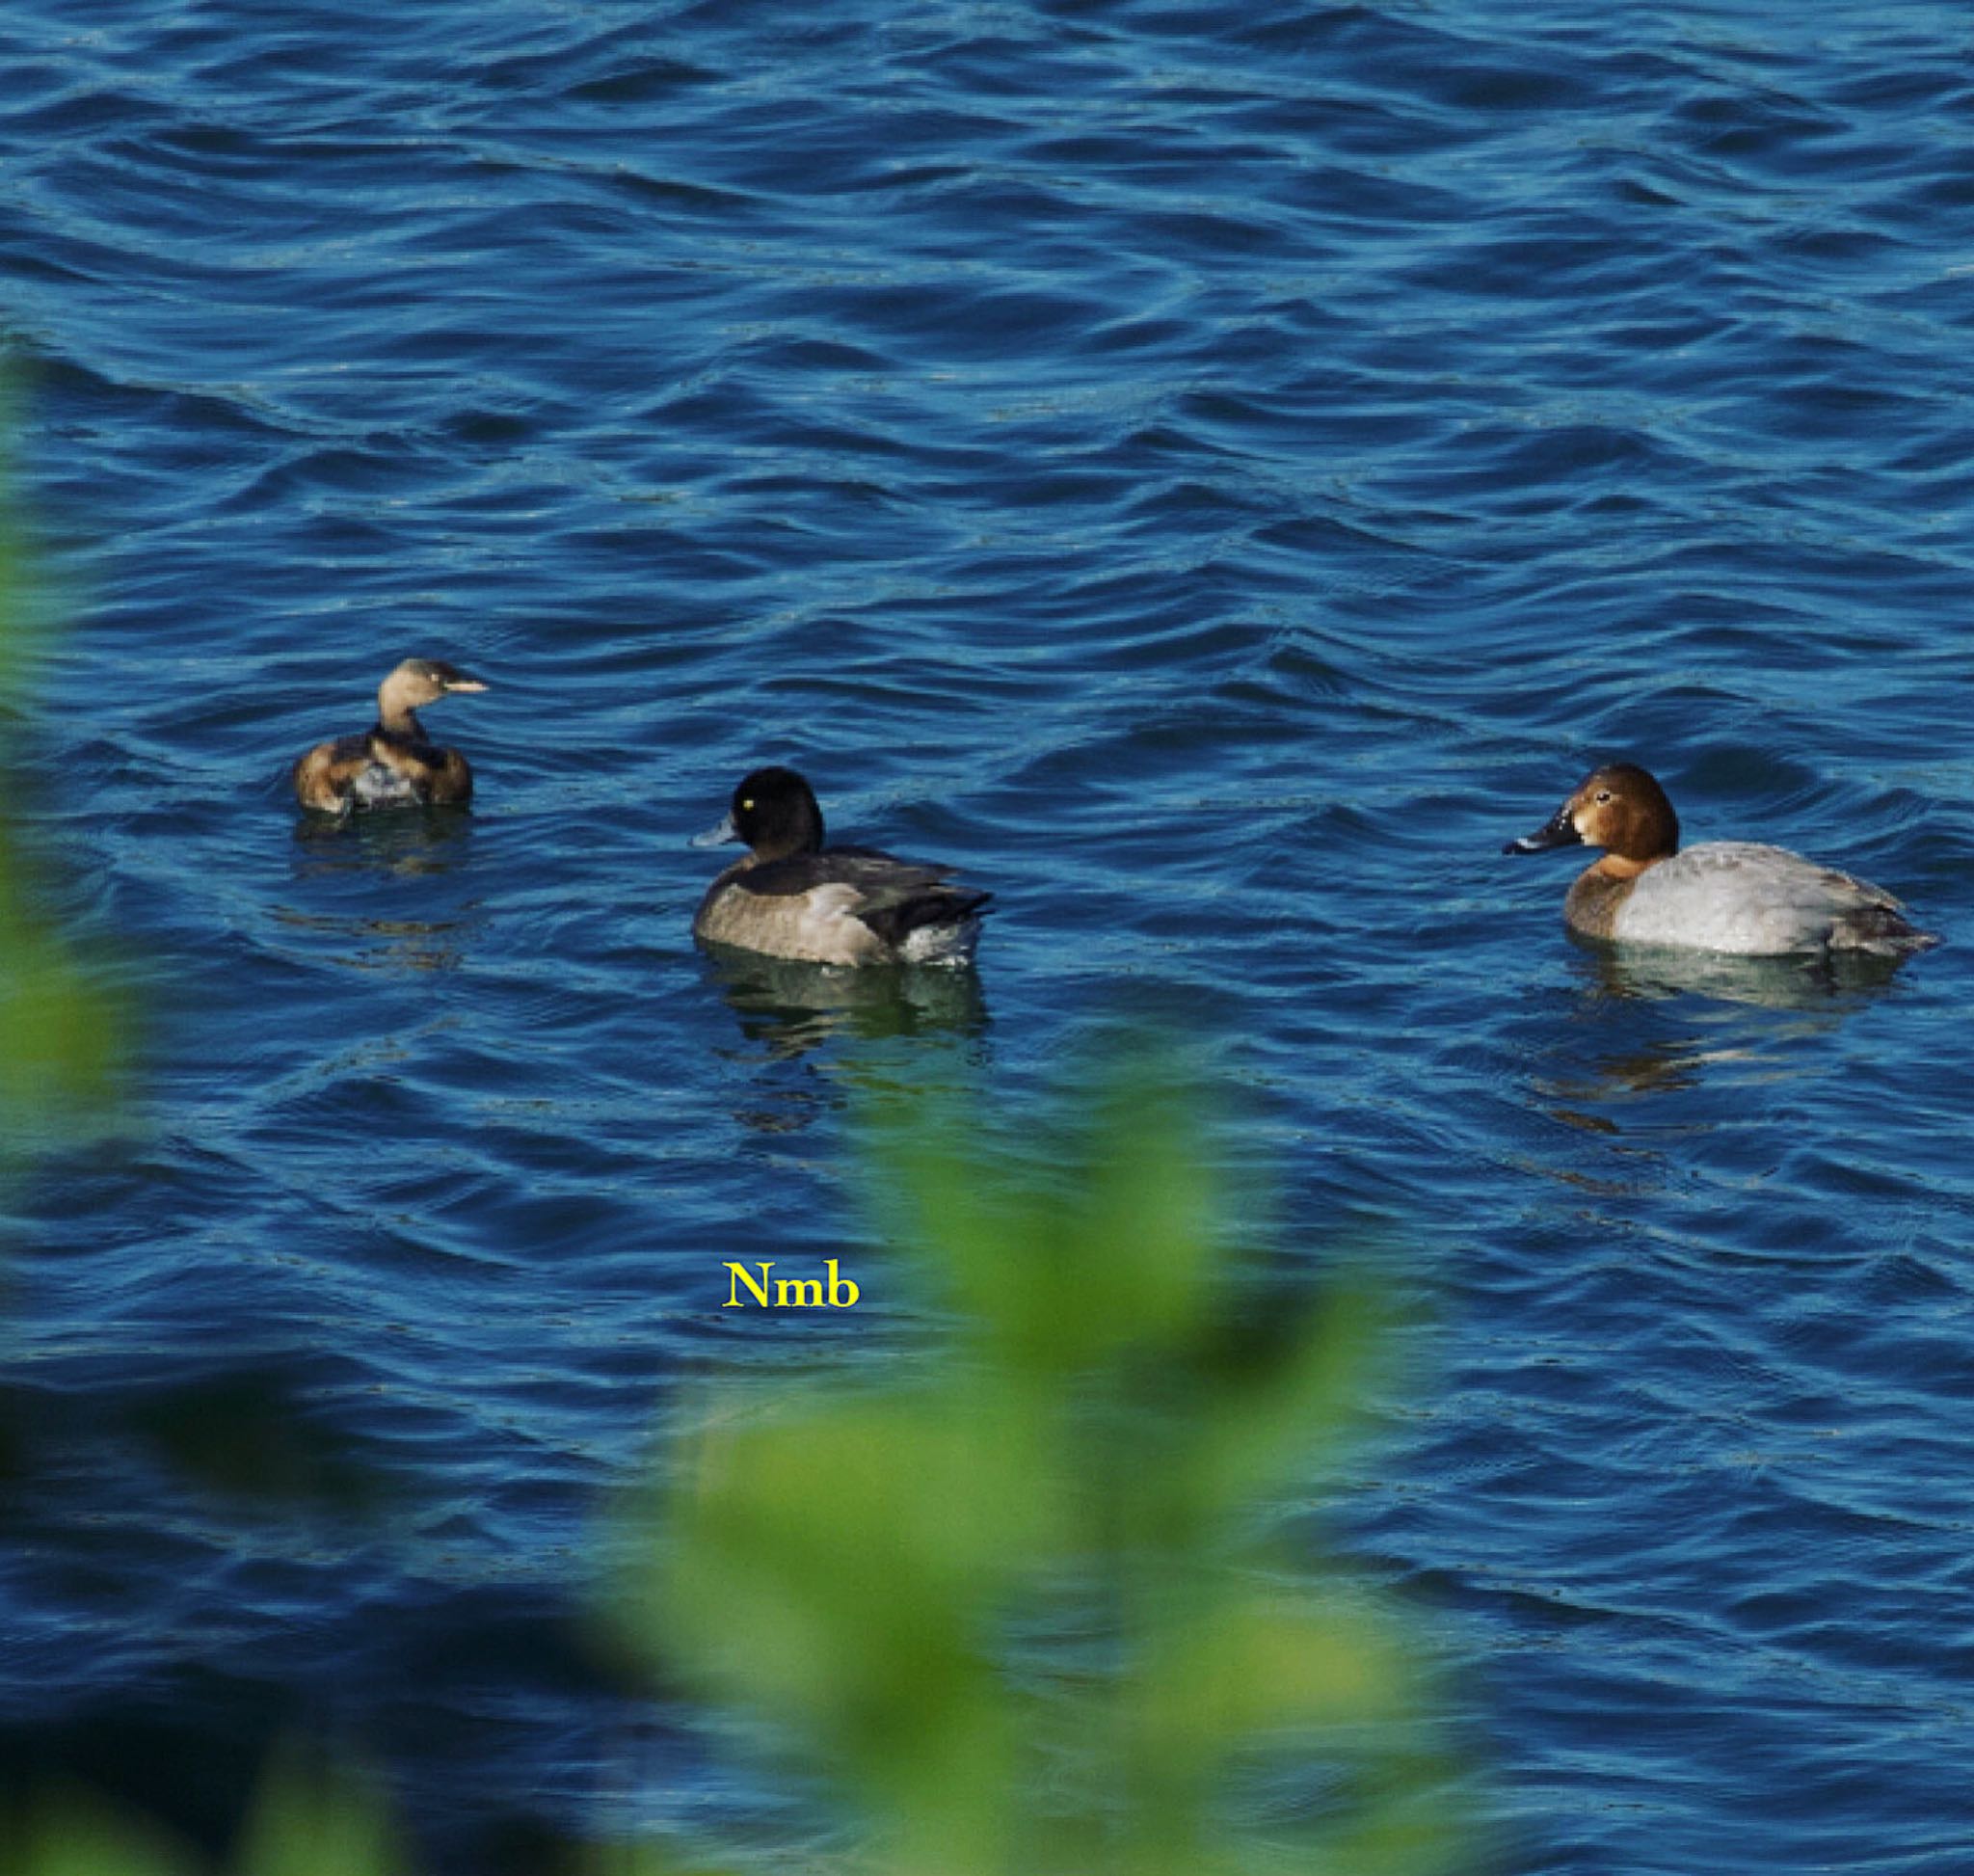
[306, 1822]
[314, 1821]
[62, 1064]
[1023, 1612]
[78, 1835]
[60, 1030]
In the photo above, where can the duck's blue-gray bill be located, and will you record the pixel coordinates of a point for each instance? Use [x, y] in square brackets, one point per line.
[717, 836]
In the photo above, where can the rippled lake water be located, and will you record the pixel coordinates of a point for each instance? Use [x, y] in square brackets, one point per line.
[1215, 473]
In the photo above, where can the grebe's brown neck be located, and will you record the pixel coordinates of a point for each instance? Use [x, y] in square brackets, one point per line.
[396, 697]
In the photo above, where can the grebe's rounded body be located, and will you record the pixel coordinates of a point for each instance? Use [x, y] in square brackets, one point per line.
[394, 763]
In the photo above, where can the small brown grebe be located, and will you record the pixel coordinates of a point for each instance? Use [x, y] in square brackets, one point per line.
[394, 763]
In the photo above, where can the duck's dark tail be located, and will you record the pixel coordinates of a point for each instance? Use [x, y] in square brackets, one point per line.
[1883, 930]
[936, 925]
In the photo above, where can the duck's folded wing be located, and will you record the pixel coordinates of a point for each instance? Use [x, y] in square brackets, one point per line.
[1742, 896]
[323, 775]
[863, 869]
[893, 897]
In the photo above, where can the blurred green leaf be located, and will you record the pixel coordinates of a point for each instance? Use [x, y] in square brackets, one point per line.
[60, 1057]
[1026, 1612]
[310, 1821]
[1055, 1283]
[59, 1029]
[645, 1860]
[1269, 1660]
[62, 1061]
[78, 1835]
[1284, 1396]
[837, 1553]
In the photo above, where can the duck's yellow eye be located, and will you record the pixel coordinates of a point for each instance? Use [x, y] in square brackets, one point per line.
[747, 807]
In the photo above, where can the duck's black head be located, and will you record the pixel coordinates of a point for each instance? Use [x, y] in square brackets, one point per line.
[774, 811]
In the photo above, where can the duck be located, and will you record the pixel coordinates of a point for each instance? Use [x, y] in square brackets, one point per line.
[393, 764]
[791, 896]
[1735, 897]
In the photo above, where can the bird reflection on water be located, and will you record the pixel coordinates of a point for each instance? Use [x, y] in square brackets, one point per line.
[790, 1010]
[1827, 984]
[422, 843]
[832, 1022]
[404, 841]
[1681, 1015]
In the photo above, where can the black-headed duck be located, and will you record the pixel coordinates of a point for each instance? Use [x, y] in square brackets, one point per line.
[394, 763]
[790, 897]
[1723, 896]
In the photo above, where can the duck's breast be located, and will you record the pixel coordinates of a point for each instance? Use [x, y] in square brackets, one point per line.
[1741, 897]
[376, 785]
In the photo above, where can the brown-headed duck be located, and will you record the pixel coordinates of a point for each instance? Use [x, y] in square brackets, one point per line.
[1723, 896]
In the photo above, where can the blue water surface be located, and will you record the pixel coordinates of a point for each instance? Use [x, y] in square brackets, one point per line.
[1214, 470]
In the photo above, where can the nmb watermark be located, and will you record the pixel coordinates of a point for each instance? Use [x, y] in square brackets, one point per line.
[833, 1290]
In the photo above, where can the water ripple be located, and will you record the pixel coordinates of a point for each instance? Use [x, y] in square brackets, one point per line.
[1215, 477]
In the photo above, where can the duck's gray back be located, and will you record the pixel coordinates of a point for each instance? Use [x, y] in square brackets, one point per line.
[1747, 897]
